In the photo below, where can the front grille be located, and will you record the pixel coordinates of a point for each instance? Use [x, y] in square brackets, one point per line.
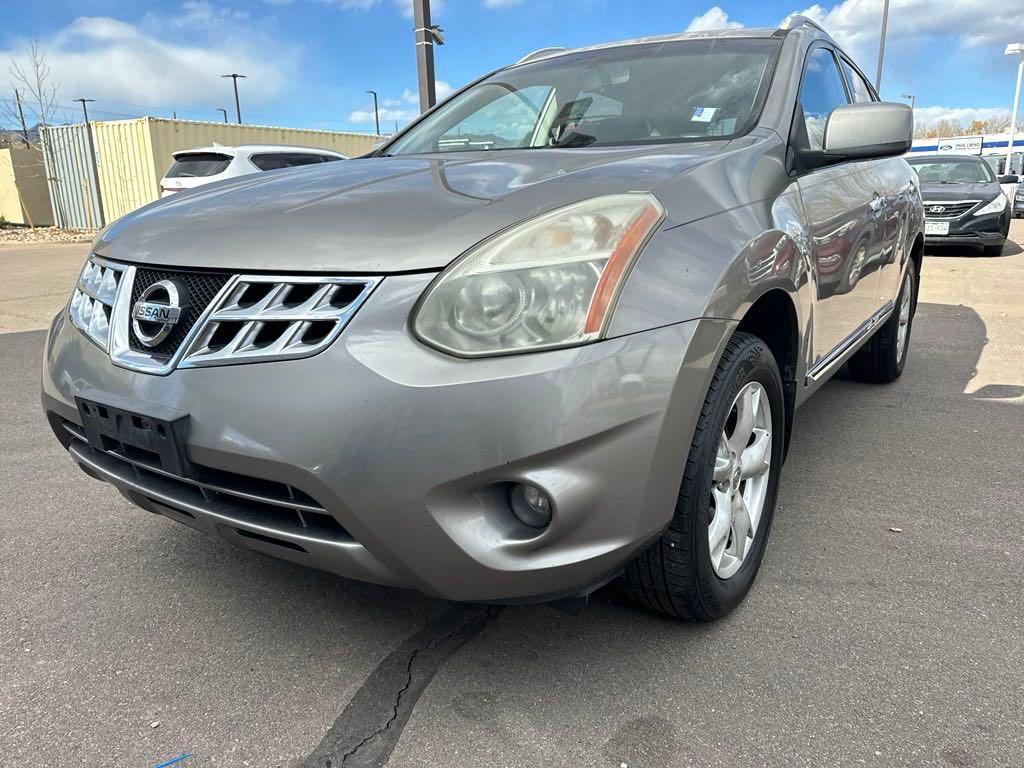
[246, 500]
[202, 287]
[265, 317]
[212, 318]
[949, 210]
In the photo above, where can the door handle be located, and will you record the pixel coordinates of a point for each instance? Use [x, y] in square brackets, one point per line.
[876, 203]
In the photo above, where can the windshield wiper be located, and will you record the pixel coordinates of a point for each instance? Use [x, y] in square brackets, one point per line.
[574, 140]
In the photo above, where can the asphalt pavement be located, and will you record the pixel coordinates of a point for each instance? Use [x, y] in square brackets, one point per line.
[885, 628]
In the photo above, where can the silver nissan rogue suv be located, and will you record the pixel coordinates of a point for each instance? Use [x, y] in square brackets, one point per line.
[551, 334]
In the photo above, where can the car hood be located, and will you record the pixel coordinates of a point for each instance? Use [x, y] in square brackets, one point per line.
[383, 215]
[951, 193]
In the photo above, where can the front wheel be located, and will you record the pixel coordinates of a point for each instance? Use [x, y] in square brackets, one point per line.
[706, 560]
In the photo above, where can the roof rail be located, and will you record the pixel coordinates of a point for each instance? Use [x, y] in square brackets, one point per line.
[541, 53]
[795, 20]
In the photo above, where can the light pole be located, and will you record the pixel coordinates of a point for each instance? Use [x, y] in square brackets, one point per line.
[376, 112]
[881, 45]
[912, 97]
[234, 78]
[1014, 49]
[223, 112]
[92, 157]
[426, 35]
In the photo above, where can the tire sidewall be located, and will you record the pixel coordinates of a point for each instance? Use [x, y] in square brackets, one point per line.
[902, 360]
[719, 596]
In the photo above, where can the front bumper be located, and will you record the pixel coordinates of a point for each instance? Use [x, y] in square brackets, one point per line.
[410, 452]
[990, 229]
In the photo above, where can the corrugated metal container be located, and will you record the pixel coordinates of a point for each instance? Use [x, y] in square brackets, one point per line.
[74, 192]
[124, 160]
[133, 155]
[23, 195]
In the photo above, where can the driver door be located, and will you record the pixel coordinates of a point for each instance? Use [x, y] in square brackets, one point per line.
[845, 206]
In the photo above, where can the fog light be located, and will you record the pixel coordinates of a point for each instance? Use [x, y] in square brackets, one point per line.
[530, 505]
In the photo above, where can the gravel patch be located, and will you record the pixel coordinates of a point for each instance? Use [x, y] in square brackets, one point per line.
[21, 235]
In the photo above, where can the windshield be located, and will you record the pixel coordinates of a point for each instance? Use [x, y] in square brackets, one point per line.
[958, 171]
[684, 90]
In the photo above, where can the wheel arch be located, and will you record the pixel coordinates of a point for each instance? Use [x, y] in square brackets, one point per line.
[773, 318]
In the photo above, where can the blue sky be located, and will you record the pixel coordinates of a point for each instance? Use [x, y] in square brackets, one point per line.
[310, 61]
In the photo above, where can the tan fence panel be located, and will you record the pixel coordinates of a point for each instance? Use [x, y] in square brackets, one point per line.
[24, 198]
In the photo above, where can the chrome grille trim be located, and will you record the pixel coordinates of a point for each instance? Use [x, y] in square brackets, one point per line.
[244, 330]
[230, 330]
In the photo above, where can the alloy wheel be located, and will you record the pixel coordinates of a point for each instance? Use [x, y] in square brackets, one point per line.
[906, 301]
[740, 479]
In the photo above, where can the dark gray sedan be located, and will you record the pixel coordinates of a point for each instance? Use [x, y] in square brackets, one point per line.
[964, 203]
[551, 334]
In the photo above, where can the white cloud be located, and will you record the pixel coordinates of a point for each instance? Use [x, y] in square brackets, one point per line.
[142, 65]
[713, 18]
[964, 116]
[856, 24]
[402, 109]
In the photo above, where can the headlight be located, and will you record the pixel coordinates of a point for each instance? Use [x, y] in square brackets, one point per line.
[547, 282]
[996, 206]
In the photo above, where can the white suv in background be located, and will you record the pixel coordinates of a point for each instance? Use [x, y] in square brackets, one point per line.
[195, 167]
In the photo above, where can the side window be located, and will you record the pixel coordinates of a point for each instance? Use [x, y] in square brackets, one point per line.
[821, 92]
[328, 158]
[861, 90]
[273, 161]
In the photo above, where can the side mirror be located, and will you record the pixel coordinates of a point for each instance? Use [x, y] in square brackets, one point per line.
[1009, 179]
[869, 129]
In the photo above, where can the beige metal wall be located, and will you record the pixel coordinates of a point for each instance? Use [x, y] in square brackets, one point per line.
[23, 195]
[124, 163]
[133, 155]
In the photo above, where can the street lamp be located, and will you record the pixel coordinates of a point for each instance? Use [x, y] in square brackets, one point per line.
[376, 112]
[913, 99]
[223, 112]
[881, 46]
[426, 35]
[234, 78]
[1014, 49]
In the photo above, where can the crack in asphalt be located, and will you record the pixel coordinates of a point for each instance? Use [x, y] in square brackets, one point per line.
[367, 731]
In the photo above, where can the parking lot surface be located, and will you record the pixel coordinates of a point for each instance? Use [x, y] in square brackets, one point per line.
[885, 628]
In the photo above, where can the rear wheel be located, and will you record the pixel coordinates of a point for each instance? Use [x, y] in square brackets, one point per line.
[705, 562]
[881, 360]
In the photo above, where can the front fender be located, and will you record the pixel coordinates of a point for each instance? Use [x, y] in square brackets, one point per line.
[718, 267]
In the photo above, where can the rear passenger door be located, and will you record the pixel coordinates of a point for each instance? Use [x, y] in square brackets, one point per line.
[844, 204]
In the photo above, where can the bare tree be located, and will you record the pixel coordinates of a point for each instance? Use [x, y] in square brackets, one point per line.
[36, 93]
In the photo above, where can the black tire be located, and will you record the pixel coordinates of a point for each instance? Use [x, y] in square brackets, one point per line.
[675, 574]
[993, 250]
[877, 361]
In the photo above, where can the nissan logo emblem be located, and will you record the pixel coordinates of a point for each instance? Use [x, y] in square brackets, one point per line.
[157, 310]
